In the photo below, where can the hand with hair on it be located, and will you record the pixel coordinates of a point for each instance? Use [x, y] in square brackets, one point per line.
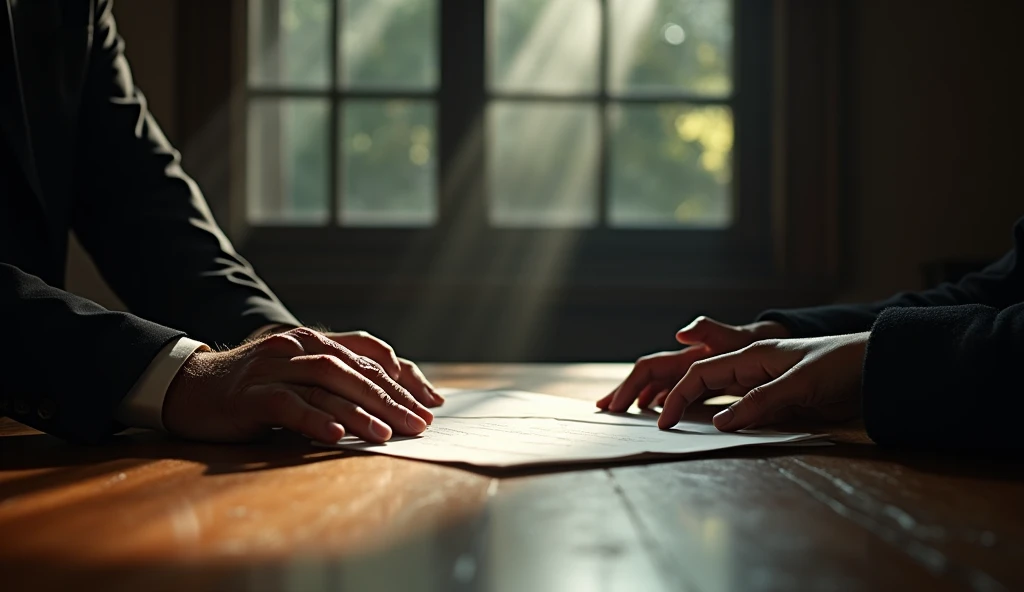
[818, 378]
[654, 376]
[321, 385]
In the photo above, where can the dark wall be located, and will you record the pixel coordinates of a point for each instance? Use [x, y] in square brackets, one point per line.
[934, 136]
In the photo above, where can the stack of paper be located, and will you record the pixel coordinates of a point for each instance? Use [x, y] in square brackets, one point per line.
[514, 428]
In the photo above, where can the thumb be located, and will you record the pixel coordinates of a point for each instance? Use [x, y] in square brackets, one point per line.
[761, 403]
[717, 336]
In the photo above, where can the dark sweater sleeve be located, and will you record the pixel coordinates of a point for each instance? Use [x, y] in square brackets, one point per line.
[947, 377]
[997, 286]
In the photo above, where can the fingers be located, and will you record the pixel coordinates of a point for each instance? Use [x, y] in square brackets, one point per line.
[707, 331]
[345, 382]
[317, 344]
[354, 419]
[412, 379]
[763, 404]
[367, 345]
[743, 368]
[651, 392]
[661, 367]
[277, 405]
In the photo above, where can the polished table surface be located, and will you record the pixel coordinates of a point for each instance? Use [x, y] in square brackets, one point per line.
[145, 512]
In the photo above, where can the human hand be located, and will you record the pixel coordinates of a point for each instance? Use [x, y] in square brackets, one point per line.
[301, 380]
[819, 377]
[402, 371]
[653, 376]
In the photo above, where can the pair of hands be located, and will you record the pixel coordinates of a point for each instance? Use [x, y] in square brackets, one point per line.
[323, 385]
[778, 378]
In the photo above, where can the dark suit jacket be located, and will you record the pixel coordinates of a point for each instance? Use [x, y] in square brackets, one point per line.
[945, 367]
[80, 151]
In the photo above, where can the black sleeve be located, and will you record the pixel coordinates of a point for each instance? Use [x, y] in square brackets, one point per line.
[69, 361]
[947, 377]
[145, 222]
[998, 286]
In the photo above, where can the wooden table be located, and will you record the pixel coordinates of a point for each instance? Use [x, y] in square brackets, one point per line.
[147, 513]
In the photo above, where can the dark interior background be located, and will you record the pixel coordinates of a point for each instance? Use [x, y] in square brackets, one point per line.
[931, 124]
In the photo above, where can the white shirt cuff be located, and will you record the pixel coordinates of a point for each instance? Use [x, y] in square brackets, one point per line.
[144, 405]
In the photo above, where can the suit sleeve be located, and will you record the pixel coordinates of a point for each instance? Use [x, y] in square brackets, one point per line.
[69, 362]
[145, 222]
[947, 377]
[998, 286]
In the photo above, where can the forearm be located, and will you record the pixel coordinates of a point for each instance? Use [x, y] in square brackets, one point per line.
[70, 362]
[998, 286]
[946, 377]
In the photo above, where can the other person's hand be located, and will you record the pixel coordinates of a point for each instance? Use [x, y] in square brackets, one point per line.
[654, 375]
[784, 378]
[301, 380]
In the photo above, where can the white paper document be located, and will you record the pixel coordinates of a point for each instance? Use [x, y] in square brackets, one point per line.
[512, 428]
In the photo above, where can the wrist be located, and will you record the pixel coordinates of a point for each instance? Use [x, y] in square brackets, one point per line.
[185, 392]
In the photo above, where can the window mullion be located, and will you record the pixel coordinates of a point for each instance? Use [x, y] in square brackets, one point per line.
[461, 106]
[604, 155]
[334, 120]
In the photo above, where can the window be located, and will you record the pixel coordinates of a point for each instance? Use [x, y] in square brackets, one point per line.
[599, 113]
[508, 155]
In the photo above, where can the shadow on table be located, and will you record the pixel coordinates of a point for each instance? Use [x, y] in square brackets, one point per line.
[70, 463]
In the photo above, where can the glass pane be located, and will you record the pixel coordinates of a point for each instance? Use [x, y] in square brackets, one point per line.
[671, 45]
[287, 161]
[543, 160]
[671, 165]
[389, 161]
[544, 46]
[288, 42]
[389, 43]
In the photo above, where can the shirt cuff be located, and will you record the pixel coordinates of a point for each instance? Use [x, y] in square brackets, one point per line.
[144, 405]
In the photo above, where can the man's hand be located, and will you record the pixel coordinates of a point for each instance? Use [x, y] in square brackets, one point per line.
[301, 380]
[819, 377]
[400, 370]
[652, 376]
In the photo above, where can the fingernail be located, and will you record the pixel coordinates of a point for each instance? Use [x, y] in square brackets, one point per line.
[415, 422]
[723, 418]
[380, 430]
[438, 398]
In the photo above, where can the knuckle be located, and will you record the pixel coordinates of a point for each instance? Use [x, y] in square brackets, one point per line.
[303, 332]
[318, 397]
[757, 398]
[370, 368]
[284, 343]
[281, 401]
[324, 363]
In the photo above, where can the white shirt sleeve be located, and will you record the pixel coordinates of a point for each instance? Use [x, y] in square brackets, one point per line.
[144, 405]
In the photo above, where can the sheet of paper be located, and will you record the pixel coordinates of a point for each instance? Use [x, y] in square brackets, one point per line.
[512, 428]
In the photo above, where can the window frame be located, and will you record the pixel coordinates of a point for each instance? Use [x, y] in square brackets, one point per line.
[636, 281]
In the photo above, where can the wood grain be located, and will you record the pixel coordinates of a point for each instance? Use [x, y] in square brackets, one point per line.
[146, 512]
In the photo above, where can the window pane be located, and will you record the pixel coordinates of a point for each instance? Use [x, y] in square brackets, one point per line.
[287, 161]
[544, 46]
[543, 161]
[388, 163]
[671, 165]
[671, 45]
[288, 42]
[389, 43]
